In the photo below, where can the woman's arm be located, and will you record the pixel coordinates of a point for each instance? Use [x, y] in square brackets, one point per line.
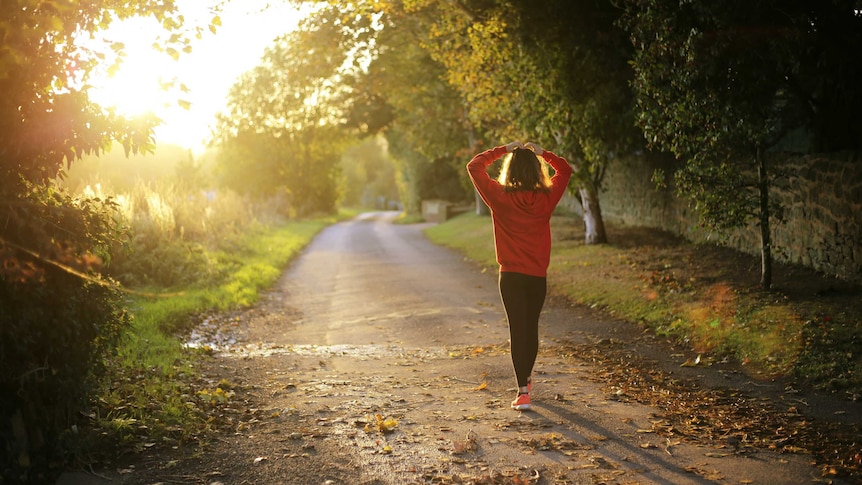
[561, 166]
[562, 169]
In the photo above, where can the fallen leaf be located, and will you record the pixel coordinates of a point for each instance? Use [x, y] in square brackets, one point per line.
[384, 425]
[691, 363]
[468, 444]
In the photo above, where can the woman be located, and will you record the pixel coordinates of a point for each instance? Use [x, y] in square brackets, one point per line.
[521, 202]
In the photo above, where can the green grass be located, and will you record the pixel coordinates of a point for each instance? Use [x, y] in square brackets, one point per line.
[594, 275]
[151, 393]
[469, 234]
[691, 294]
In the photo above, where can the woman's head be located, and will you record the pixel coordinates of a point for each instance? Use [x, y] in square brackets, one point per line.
[523, 170]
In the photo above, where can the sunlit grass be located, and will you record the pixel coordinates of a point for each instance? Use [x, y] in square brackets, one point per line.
[597, 276]
[255, 266]
[470, 234]
[149, 394]
[767, 338]
[661, 288]
[406, 218]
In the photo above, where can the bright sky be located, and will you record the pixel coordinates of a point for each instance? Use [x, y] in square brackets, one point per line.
[248, 27]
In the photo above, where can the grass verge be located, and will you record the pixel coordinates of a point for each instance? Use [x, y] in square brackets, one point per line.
[153, 396]
[809, 327]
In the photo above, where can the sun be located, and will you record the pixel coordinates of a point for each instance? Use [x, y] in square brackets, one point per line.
[187, 93]
[146, 80]
[137, 86]
[133, 91]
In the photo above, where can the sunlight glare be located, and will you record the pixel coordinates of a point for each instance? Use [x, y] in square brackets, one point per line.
[136, 88]
[149, 81]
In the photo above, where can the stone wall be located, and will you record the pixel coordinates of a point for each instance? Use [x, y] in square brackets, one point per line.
[822, 198]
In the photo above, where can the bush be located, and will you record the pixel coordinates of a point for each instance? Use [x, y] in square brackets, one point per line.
[58, 320]
[54, 337]
[60, 323]
[174, 230]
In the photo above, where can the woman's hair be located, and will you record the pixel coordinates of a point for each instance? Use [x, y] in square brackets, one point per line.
[522, 170]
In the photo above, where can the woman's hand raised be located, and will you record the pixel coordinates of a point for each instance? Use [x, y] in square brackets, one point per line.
[512, 146]
[536, 148]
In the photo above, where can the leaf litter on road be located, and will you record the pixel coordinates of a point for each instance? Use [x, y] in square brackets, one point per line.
[466, 445]
[728, 419]
[553, 442]
[380, 423]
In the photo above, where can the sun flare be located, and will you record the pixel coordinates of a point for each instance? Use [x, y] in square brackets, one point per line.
[186, 93]
[133, 91]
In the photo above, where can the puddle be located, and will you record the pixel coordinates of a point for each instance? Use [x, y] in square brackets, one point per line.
[342, 350]
[214, 333]
[218, 335]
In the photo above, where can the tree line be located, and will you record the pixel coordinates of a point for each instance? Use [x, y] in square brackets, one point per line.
[717, 87]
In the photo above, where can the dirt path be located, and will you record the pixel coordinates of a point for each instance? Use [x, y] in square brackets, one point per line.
[382, 359]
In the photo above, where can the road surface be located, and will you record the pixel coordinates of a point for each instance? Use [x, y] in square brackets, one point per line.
[380, 358]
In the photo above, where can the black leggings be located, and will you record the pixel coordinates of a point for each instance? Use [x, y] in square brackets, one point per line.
[523, 298]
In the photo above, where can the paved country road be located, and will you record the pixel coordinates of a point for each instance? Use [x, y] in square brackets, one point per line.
[380, 358]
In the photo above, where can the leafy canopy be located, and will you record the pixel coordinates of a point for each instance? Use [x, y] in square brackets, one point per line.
[285, 125]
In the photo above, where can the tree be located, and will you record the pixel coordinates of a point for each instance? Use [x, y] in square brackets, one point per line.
[719, 84]
[59, 320]
[429, 134]
[828, 69]
[284, 130]
[553, 70]
[398, 90]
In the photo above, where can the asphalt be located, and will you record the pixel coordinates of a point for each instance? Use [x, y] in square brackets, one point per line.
[373, 319]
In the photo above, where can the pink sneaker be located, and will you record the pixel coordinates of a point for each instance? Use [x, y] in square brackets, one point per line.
[522, 403]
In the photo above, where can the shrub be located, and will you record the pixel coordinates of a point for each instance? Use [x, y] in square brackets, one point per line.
[54, 336]
[58, 320]
[173, 231]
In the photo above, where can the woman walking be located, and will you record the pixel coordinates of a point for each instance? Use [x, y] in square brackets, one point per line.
[521, 202]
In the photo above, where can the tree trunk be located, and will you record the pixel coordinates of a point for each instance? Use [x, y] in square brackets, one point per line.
[593, 222]
[765, 236]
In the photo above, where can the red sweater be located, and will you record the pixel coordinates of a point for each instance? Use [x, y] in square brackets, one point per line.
[522, 219]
